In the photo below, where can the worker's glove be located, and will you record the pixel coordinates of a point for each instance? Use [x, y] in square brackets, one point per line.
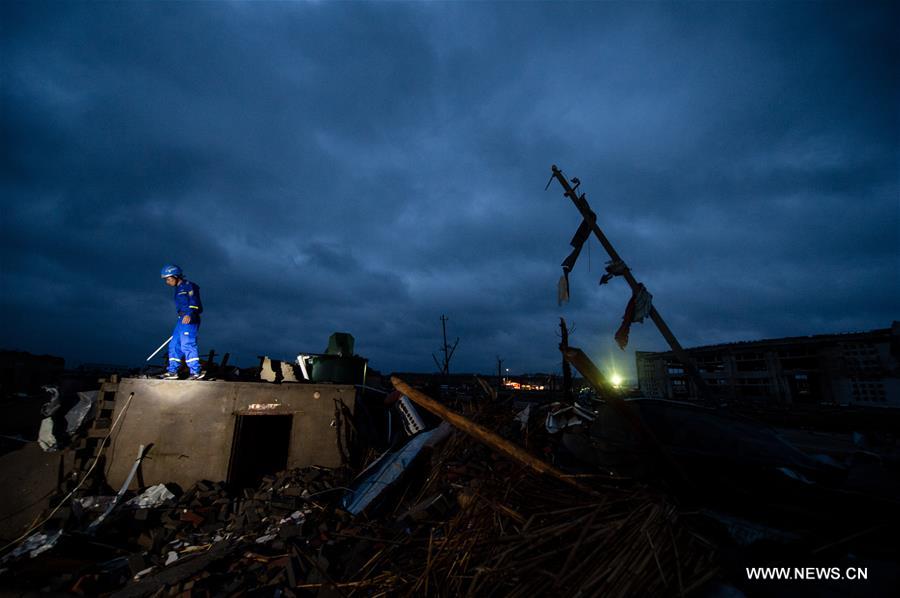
[186, 320]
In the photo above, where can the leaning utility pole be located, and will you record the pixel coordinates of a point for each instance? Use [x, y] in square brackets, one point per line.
[590, 220]
[446, 349]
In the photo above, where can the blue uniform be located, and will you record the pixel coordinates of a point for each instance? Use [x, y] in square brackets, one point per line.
[184, 337]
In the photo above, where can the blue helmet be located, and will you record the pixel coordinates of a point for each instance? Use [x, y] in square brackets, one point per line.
[170, 270]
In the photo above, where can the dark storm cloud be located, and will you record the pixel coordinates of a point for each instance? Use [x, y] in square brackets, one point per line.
[368, 167]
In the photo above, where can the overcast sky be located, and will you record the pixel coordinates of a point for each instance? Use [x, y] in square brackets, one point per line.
[367, 167]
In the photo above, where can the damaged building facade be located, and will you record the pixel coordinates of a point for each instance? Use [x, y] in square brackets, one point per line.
[233, 431]
[857, 369]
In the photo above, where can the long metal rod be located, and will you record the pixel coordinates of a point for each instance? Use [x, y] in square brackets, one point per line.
[581, 203]
[166, 342]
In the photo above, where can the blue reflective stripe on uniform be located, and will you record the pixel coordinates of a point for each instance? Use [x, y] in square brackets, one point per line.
[184, 344]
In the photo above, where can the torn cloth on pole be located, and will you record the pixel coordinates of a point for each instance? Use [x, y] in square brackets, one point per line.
[577, 242]
[613, 268]
[637, 309]
[562, 289]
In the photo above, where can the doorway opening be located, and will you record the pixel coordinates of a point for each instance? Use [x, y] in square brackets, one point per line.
[260, 447]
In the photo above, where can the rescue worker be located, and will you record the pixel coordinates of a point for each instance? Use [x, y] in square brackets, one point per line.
[184, 337]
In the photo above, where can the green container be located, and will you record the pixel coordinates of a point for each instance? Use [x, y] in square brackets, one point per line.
[340, 343]
[337, 369]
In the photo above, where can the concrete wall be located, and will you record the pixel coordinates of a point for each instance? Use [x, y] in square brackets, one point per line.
[191, 426]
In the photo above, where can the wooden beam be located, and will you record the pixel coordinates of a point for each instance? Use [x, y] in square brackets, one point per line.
[604, 389]
[482, 434]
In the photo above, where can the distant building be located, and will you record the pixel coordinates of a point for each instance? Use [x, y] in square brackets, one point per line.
[859, 368]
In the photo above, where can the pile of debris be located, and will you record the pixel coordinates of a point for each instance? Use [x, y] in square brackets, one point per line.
[513, 532]
[454, 517]
[156, 539]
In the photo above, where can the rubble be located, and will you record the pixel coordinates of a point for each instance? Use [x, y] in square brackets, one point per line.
[381, 474]
[79, 412]
[482, 503]
[461, 519]
[153, 496]
[34, 545]
[62, 419]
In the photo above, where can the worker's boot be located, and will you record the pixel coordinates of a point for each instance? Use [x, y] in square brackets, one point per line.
[197, 376]
[170, 376]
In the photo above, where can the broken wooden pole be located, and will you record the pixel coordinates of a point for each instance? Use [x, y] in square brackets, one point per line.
[590, 217]
[484, 435]
[582, 363]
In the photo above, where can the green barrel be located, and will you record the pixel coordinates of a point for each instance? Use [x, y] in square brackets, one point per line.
[338, 369]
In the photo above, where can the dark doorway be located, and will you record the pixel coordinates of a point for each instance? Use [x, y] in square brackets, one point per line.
[260, 447]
